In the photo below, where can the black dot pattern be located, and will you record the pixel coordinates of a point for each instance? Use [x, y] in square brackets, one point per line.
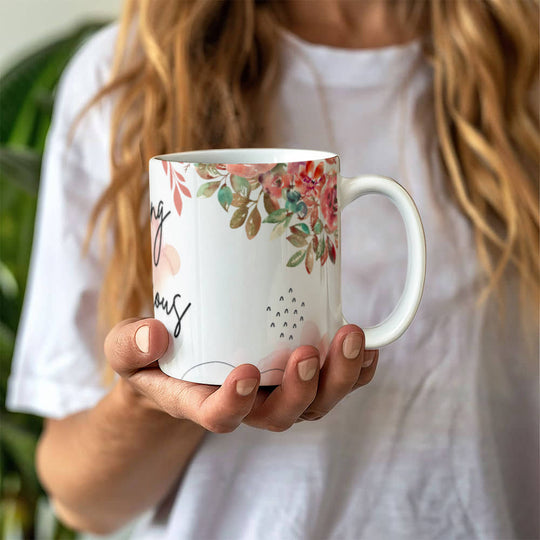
[290, 318]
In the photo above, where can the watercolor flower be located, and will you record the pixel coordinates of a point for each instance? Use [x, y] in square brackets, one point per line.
[168, 259]
[274, 184]
[309, 179]
[249, 170]
[329, 205]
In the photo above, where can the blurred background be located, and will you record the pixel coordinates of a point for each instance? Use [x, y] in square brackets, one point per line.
[37, 39]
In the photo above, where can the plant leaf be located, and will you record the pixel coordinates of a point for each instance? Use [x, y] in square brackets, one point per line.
[310, 258]
[177, 200]
[279, 168]
[269, 204]
[225, 196]
[277, 216]
[301, 210]
[206, 171]
[240, 185]
[21, 166]
[207, 189]
[291, 206]
[238, 200]
[184, 190]
[297, 240]
[239, 217]
[300, 228]
[317, 228]
[331, 250]
[253, 223]
[280, 228]
[297, 258]
[314, 216]
[324, 255]
[178, 175]
[320, 248]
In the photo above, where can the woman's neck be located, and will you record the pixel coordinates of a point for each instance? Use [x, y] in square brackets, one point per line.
[354, 24]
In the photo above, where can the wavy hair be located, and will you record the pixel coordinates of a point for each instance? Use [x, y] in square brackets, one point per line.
[197, 73]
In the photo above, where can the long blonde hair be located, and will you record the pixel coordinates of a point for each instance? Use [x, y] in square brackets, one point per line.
[197, 73]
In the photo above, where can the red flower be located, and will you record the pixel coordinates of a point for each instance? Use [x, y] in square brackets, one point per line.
[249, 170]
[309, 179]
[329, 206]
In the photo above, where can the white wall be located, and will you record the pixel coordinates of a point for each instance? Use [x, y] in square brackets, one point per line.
[26, 24]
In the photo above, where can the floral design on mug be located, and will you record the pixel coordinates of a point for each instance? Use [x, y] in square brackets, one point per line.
[166, 257]
[177, 185]
[299, 198]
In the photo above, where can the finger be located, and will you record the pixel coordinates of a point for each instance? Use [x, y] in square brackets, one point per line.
[371, 359]
[216, 408]
[134, 344]
[340, 371]
[297, 390]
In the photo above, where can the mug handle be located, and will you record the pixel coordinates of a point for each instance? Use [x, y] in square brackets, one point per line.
[401, 317]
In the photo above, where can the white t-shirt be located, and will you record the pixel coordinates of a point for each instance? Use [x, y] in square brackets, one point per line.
[442, 444]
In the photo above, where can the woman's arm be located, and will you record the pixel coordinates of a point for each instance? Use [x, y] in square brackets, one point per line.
[104, 466]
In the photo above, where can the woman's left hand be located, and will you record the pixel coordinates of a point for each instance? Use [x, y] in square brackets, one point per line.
[348, 366]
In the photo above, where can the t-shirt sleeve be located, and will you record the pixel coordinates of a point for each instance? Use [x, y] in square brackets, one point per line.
[57, 368]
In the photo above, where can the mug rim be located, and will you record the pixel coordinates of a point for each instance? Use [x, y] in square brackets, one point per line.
[252, 156]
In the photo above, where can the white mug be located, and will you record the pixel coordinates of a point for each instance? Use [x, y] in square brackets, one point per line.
[246, 257]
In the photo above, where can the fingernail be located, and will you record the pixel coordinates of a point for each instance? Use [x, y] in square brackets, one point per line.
[352, 345]
[369, 356]
[142, 338]
[307, 368]
[245, 386]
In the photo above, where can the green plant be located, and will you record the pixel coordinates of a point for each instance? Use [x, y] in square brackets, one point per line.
[26, 99]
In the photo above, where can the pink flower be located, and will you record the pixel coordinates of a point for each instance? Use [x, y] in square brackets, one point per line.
[249, 170]
[167, 257]
[329, 205]
[273, 184]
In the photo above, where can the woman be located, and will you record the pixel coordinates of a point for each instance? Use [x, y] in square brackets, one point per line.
[435, 94]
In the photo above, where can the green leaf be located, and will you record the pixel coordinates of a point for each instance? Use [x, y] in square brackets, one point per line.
[300, 228]
[27, 89]
[239, 217]
[206, 171]
[21, 166]
[310, 258]
[317, 228]
[277, 216]
[280, 168]
[20, 445]
[280, 228]
[269, 204]
[320, 248]
[225, 196]
[253, 223]
[297, 258]
[291, 206]
[297, 240]
[240, 185]
[207, 189]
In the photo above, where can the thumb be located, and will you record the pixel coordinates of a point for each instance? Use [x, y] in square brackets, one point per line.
[134, 344]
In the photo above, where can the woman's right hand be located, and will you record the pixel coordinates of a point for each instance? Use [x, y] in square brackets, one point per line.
[306, 393]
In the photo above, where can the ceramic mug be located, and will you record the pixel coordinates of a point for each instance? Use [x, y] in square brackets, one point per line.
[246, 257]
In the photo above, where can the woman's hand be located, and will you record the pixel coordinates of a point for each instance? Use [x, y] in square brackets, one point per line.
[306, 392]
